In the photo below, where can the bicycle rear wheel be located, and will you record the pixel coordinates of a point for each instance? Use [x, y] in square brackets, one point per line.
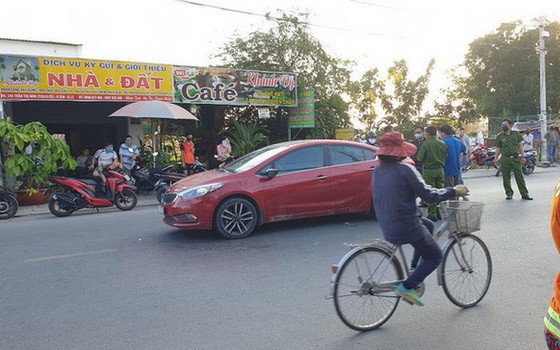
[364, 292]
[467, 271]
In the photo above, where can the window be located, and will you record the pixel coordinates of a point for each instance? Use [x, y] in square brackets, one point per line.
[301, 159]
[348, 154]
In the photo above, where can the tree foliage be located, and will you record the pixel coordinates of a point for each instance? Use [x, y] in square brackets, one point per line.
[399, 97]
[500, 74]
[289, 47]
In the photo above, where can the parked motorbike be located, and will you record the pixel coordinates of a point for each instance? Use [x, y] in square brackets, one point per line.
[8, 205]
[71, 194]
[164, 181]
[530, 162]
[481, 155]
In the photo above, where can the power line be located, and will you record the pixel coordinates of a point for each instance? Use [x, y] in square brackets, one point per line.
[249, 13]
[380, 5]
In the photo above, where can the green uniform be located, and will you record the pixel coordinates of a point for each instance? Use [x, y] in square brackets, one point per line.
[509, 148]
[432, 154]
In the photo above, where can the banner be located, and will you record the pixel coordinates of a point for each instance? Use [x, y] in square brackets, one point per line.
[49, 78]
[233, 87]
[344, 134]
[303, 116]
[76, 79]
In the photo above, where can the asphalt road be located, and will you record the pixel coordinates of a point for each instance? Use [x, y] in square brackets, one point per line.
[124, 280]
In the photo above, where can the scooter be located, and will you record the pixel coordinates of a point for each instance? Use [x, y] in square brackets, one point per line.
[165, 180]
[530, 162]
[8, 205]
[481, 155]
[72, 194]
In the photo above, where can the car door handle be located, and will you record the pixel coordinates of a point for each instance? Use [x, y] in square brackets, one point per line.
[321, 177]
[372, 168]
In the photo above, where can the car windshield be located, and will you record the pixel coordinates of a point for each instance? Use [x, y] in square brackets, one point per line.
[255, 158]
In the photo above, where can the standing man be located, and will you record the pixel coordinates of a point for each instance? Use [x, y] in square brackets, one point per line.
[432, 155]
[527, 141]
[509, 145]
[187, 155]
[418, 141]
[128, 153]
[552, 138]
[467, 142]
[453, 160]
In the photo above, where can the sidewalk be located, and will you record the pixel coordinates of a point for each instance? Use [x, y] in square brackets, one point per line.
[143, 201]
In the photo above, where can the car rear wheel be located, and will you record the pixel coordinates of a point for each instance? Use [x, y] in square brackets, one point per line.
[235, 218]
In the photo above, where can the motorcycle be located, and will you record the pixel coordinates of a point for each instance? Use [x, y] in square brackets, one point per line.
[530, 162]
[165, 180]
[8, 205]
[481, 155]
[72, 194]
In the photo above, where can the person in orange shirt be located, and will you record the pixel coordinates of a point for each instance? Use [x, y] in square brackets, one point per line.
[552, 318]
[187, 155]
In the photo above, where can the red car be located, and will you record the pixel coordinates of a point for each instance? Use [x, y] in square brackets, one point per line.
[284, 181]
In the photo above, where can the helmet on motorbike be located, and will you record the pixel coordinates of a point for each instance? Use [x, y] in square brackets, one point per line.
[371, 135]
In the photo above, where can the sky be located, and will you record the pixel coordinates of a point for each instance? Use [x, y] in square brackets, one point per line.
[373, 33]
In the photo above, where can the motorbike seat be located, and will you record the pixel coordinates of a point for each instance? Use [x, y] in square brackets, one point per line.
[89, 182]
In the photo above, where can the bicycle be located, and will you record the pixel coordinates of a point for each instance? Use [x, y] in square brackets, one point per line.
[364, 280]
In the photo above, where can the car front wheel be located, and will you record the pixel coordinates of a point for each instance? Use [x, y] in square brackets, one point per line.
[235, 218]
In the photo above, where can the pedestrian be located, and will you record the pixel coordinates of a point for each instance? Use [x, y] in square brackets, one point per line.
[552, 138]
[509, 146]
[223, 150]
[432, 154]
[187, 155]
[82, 158]
[128, 153]
[527, 141]
[453, 159]
[395, 187]
[371, 138]
[418, 140]
[537, 142]
[464, 138]
[552, 318]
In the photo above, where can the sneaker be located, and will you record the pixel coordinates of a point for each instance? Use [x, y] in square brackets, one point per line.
[409, 295]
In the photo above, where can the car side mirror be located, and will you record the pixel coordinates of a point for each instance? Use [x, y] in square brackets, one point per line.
[271, 173]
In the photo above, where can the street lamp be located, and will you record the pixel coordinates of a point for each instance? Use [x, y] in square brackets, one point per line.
[542, 112]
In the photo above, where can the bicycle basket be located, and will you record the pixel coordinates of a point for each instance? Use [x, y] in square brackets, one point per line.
[463, 216]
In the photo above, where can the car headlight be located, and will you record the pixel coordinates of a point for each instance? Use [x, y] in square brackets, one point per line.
[199, 191]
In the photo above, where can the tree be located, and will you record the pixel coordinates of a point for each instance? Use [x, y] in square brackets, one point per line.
[399, 97]
[500, 74]
[289, 47]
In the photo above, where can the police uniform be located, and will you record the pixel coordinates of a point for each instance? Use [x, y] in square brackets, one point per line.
[432, 154]
[511, 161]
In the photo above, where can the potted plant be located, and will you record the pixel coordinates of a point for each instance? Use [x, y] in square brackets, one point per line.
[36, 156]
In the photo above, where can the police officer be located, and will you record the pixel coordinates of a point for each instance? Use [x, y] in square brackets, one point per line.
[509, 145]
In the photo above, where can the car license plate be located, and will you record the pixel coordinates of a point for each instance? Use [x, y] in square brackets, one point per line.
[160, 209]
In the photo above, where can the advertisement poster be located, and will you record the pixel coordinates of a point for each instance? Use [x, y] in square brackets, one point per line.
[234, 87]
[49, 78]
[303, 116]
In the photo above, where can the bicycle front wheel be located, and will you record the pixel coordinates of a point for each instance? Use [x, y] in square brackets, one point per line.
[467, 271]
[364, 292]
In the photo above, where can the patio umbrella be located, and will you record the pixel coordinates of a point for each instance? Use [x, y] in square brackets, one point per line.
[153, 110]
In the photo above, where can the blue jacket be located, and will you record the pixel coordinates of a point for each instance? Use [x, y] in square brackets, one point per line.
[453, 161]
[395, 189]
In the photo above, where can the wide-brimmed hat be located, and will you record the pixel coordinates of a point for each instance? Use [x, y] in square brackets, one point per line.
[393, 144]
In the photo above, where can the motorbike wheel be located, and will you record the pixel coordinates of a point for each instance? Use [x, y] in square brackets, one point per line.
[470, 164]
[58, 209]
[126, 199]
[159, 194]
[8, 206]
[528, 168]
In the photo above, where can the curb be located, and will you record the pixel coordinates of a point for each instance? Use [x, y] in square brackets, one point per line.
[43, 209]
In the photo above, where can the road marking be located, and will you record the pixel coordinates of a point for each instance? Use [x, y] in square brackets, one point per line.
[65, 256]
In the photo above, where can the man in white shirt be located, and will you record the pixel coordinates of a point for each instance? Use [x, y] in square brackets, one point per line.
[527, 141]
[104, 157]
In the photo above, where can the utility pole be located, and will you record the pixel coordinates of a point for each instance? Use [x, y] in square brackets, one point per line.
[542, 115]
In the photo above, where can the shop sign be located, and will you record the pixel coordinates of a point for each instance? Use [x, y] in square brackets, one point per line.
[55, 78]
[234, 87]
[344, 134]
[303, 116]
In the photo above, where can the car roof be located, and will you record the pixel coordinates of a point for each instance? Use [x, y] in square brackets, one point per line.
[298, 143]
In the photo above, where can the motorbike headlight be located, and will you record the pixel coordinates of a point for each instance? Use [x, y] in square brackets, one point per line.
[199, 191]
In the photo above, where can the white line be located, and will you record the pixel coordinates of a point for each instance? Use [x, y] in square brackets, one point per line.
[69, 255]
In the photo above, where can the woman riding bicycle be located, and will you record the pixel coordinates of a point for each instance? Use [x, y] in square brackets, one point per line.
[395, 188]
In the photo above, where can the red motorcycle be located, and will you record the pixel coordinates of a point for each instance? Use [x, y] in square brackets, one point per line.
[72, 194]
